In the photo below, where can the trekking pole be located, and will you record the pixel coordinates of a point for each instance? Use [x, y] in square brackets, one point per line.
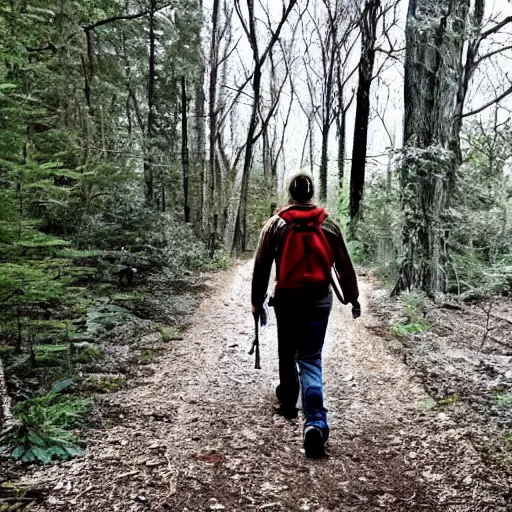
[256, 343]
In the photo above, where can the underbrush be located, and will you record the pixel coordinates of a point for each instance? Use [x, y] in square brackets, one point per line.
[46, 427]
[477, 248]
[72, 310]
[412, 319]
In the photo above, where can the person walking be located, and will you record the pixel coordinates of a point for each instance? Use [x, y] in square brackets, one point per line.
[306, 244]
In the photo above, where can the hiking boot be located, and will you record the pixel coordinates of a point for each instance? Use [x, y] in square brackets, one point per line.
[314, 442]
[290, 413]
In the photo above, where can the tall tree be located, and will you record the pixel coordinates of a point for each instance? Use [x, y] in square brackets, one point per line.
[442, 44]
[369, 20]
[150, 127]
[239, 240]
[329, 33]
[185, 159]
[212, 182]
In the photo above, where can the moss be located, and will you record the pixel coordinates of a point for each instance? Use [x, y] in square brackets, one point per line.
[88, 355]
[450, 400]
[148, 355]
[107, 383]
[169, 333]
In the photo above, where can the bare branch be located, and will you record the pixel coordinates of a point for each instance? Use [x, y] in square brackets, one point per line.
[490, 103]
[275, 37]
[490, 54]
[496, 27]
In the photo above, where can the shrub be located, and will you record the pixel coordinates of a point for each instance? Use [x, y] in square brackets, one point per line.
[44, 428]
[413, 320]
[377, 238]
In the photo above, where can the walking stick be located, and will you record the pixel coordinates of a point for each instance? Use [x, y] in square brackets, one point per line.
[256, 343]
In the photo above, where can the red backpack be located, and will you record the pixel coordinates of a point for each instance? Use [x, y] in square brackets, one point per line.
[307, 257]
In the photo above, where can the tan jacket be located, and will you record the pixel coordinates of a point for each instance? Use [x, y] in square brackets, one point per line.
[270, 248]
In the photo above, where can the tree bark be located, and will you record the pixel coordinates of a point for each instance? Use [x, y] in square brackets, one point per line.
[358, 169]
[211, 181]
[200, 143]
[240, 243]
[148, 160]
[184, 149]
[311, 130]
[327, 106]
[436, 34]
[341, 126]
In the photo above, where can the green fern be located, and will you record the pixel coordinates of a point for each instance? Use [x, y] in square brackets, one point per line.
[44, 429]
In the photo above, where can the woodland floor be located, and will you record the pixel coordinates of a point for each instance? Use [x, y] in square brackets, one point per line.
[195, 429]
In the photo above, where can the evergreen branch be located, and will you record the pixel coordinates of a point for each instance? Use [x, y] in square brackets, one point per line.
[11, 295]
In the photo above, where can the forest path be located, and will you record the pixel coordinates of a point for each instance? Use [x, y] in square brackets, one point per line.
[197, 431]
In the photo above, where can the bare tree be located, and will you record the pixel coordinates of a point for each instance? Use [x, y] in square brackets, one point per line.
[377, 23]
[239, 239]
[341, 113]
[212, 183]
[369, 21]
[331, 33]
[199, 148]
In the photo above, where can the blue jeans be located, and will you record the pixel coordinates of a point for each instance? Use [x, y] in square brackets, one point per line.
[301, 325]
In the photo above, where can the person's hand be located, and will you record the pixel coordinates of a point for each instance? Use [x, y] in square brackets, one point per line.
[356, 309]
[260, 314]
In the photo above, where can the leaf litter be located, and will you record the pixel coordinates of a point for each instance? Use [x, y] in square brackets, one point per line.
[202, 434]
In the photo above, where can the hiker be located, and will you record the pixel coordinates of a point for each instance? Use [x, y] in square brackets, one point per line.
[305, 244]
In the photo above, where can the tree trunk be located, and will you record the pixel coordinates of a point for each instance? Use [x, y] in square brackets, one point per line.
[200, 140]
[341, 127]
[324, 161]
[148, 160]
[327, 116]
[214, 68]
[358, 170]
[311, 130]
[200, 134]
[240, 241]
[184, 148]
[435, 38]
[342, 136]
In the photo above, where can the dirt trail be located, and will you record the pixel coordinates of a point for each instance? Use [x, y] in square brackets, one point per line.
[197, 431]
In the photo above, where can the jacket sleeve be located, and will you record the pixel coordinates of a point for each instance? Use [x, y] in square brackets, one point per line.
[263, 260]
[342, 262]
